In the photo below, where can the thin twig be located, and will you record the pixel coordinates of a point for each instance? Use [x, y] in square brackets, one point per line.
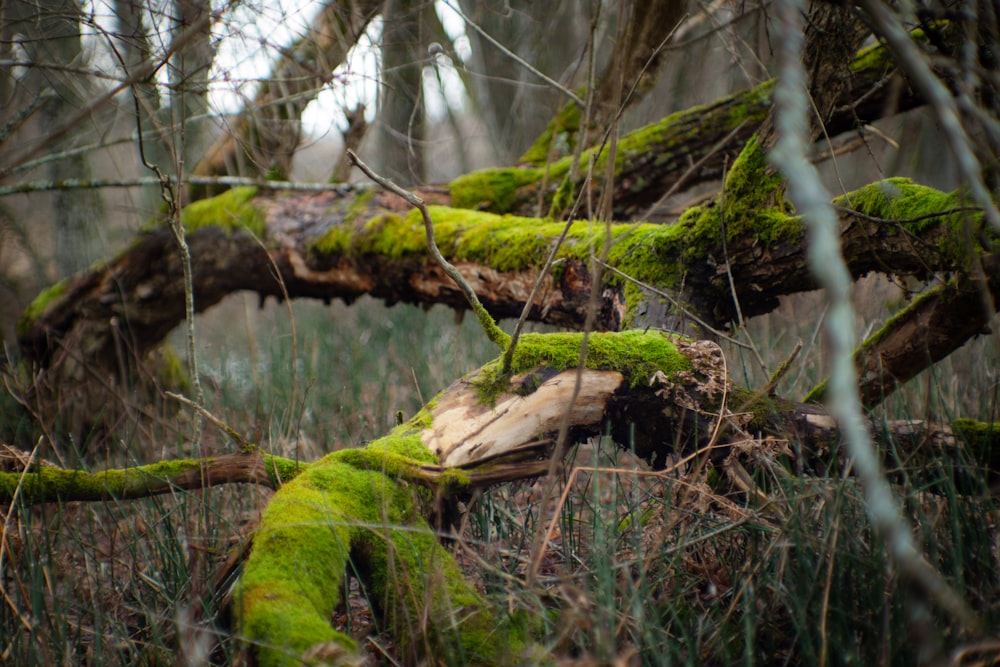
[907, 221]
[229, 181]
[223, 426]
[781, 371]
[812, 200]
[169, 194]
[493, 332]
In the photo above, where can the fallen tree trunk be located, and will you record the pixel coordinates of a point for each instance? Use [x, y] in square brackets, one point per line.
[347, 244]
[744, 248]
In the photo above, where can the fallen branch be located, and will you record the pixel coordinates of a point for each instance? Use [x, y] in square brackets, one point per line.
[48, 483]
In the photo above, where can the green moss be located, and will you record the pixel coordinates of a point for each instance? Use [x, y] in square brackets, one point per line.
[877, 58]
[873, 57]
[562, 130]
[39, 304]
[334, 240]
[917, 209]
[282, 470]
[343, 505]
[412, 564]
[291, 581]
[982, 438]
[232, 211]
[171, 370]
[635, 354]
[454, 479]
[562, 200]
[491, 189]
[684, 127]
[378, 456]
[359, 206]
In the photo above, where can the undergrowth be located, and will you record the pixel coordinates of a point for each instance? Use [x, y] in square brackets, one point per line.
[676, 567]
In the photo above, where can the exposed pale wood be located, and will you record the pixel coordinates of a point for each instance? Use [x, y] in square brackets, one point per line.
[465, 430]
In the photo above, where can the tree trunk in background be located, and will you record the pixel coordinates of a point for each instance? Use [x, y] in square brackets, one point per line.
[262, 139]
[190, 69]
[402, 113]
[54, 41]
[514, 103]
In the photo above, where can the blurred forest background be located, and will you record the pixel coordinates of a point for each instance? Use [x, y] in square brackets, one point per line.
[89, 91]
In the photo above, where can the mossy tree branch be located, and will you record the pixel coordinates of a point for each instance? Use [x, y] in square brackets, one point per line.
[489, 325]
[47, 483]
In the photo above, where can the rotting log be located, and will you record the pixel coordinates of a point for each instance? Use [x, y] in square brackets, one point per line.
[347, 244]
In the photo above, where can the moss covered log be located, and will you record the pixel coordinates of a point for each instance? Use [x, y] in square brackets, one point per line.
[652, 160]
